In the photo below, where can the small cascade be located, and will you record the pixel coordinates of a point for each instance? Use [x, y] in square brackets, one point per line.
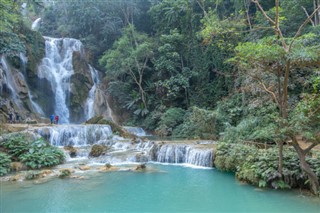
[138, 131]
[10, 83]
[57, 68]
[182, 153]
[89, 112]
[76, 135]
[24, 60]
[36, 24]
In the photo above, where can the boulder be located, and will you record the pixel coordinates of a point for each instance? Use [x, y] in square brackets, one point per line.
[72, 151]
[97, 150]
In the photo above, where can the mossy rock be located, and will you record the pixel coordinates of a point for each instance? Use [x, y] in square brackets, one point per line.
[72, 151]
[65, 173]
[97, 150]
[115, 127]
[32, 175]
[141, 167]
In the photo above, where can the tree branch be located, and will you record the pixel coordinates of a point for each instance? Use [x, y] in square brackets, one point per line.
[302, 26]
[263, 12]
[305, 10]
[306, 150]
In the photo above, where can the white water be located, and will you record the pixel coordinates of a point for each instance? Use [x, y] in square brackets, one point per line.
[57, 68]
[89, 112]
[36, 24]
[11, 85]
[138, 131]
[35, 106]
[123, 150]
[76, 135]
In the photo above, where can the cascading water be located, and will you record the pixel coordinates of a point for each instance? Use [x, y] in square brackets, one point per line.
[35, 24]
[35, 106]
[89, 112]
[57, 68]
[76, 135]
[10, 83]
[138, 131]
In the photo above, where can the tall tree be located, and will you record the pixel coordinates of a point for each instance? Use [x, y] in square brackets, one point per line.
[279, 56]
[130, 56]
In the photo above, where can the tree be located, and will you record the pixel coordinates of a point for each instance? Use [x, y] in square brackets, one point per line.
[130, 56]
[271, 61]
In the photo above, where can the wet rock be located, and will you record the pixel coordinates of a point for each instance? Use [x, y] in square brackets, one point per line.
[72, 151]
[97, 150]
[32, 175]
[65, 173]
[141, 168]
[44, 173]
[17, 177]
[84, 168]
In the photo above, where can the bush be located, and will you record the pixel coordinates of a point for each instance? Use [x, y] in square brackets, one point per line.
[169, 120]
[34, 154]
[199, 123]
[4, 163]
[41, 154]
[260, 166]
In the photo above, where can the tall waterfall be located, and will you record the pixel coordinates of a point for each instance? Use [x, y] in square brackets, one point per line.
[57, 68]
[89, 112]
[35, 106]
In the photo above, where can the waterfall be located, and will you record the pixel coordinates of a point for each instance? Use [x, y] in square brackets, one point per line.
[89, 112]
[10, 83]
[182, 153]
[35, 106]
[35, 25]
[75, 135]
[138, 131]
[57, 68]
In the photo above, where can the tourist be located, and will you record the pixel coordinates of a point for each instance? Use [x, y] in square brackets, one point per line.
[17, 118]
[56, 119]
[10, 117]
[52, 119]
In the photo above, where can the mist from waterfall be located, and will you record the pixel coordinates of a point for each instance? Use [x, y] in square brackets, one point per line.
[57, 68]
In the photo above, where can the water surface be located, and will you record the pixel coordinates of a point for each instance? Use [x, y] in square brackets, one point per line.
[175, 189]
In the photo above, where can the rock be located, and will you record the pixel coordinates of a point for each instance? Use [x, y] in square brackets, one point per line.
[32, 175]
[17, 177]
[44, 173]
[141, 168]
[65, 173]
[72, 151]
[84, 168]
[17, 166]
[97, 150]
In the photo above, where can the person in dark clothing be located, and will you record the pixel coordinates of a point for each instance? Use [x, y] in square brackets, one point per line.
[52, 119]
[56, 119]
[17, 118]
[10, 117]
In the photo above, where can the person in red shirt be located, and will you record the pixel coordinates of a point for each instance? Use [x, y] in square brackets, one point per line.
[56, 118]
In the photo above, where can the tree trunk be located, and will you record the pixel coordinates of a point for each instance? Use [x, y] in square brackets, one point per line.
[313, 179]
[280, 163]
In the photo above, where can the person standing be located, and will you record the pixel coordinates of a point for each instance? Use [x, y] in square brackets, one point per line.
[10, 117]
[56, 119]
[52, 119]
[17, 118]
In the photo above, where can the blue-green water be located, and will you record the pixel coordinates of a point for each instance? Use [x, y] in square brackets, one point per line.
[176, 189]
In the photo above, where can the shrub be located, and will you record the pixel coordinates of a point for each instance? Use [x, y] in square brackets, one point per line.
[169, 120]
[260, 166]
[41, 154]
[4, 163]
[16, 145]
[199, 123]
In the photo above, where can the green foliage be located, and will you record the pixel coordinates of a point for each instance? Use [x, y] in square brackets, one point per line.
[34, 154]
[169, 120]
[64, 173]
[4, 163]
[41, 154]
[199, 123]
[260, 166]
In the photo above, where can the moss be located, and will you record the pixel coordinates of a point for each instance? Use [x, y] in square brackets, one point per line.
[97, 150]
[115, 127]
[65, 173]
